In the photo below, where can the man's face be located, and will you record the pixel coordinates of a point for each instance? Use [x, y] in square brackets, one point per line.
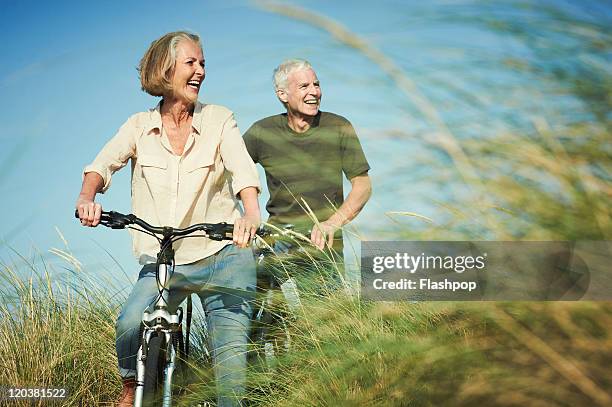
[303, 94]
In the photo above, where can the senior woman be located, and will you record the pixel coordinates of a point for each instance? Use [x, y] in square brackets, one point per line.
[189, 165]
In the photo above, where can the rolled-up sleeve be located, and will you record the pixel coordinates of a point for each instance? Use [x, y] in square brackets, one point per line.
[115, 154]
[236, 158]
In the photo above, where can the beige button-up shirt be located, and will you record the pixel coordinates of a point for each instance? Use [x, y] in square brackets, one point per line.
[169, 190]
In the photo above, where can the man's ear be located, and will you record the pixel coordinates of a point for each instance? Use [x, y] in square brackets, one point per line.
[282, 95]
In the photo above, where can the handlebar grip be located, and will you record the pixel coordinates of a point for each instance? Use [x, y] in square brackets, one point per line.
[76, 213]
[113, 220]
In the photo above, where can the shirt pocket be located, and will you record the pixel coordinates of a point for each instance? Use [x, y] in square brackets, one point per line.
[154, 170]
[198, 171]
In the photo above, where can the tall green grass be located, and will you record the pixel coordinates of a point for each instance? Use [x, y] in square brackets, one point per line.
[343, 352]
[57, 333]
[349, 353]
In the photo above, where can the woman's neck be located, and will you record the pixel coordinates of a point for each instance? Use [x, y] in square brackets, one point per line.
[176, 111]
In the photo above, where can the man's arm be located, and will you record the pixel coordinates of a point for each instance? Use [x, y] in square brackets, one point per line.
[361, 190]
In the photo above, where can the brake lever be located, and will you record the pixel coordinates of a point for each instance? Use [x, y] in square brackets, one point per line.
[221, 231]
[112, 219]
[119, 221]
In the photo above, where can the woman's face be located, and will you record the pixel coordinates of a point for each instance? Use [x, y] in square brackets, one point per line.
[188, 71]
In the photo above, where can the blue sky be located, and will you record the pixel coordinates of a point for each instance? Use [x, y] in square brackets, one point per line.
[68, 81]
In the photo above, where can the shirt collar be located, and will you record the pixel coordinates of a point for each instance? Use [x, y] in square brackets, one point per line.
[155, 121]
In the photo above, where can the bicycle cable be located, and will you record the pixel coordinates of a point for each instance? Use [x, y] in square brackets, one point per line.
[144, 231]
[157, 264]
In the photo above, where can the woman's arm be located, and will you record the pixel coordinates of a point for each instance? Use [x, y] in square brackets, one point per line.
[246, 226]
[244, 180]
[97, 176]
[236, 158]
[89, 210]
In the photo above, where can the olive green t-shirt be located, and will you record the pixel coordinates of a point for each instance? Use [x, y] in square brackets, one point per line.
[305, 166]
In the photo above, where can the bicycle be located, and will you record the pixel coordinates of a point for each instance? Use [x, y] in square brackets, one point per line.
[295, 255]
[161, 334]
[270, 333]
[292, 257]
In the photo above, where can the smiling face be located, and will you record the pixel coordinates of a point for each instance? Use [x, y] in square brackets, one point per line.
[188, 72]
[302, 96]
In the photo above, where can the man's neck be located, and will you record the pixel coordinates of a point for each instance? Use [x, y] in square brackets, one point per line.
[299, 123]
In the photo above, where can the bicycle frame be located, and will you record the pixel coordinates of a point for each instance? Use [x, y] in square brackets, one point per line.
[160, 320]
[288, 288]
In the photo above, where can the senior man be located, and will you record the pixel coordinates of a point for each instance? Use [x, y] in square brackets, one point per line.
[304, 153]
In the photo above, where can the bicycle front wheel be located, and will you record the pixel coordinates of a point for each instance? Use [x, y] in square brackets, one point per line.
[154, 370]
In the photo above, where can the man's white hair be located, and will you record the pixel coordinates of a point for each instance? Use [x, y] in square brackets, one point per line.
[281, 73]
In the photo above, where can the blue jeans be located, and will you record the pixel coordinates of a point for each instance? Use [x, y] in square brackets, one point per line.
[225, 283]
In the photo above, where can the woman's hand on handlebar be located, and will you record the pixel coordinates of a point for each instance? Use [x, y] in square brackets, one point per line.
[89, 212]
[245, 228]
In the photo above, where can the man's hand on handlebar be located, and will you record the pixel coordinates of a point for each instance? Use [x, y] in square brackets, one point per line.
[245, 229]
[89, 212]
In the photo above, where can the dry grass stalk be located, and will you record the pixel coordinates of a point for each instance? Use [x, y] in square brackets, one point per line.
[561, 364]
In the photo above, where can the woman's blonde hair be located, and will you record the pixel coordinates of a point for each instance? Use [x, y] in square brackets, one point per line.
[157, 64]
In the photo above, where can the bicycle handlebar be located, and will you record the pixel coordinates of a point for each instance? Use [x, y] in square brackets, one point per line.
[214, 231]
